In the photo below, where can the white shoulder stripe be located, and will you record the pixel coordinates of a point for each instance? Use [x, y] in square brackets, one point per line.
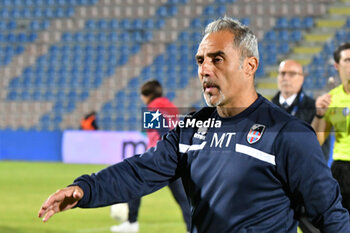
[258, 154]
[184, 148]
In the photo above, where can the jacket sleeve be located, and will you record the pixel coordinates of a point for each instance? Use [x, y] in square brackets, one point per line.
[308, 180]
[134, 177]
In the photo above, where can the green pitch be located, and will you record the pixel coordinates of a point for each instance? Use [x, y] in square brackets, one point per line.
[24, 186]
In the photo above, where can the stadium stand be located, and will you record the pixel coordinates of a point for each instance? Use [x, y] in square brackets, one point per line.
[61, 59]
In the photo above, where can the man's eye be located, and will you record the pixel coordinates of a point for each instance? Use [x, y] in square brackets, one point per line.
[199, 61]
[217, 59]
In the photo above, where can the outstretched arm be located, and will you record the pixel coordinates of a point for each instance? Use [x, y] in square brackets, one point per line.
[63, 199]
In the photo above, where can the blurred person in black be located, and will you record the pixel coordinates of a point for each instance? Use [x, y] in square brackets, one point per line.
[291, 96]
[89, 122]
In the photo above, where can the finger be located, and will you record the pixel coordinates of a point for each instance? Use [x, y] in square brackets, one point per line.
[52, 199]
[45, 207]
[48, 215]
[77, 194]
[41, 212]
[49, 203]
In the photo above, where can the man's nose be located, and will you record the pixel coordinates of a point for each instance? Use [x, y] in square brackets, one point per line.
[206, 68]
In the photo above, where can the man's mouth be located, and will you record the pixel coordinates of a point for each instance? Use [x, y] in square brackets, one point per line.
[209, 86]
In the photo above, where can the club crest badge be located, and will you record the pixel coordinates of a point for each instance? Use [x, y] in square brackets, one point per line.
[255, 133]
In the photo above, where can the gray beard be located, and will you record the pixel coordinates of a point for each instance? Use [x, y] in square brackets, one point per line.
[207, 100]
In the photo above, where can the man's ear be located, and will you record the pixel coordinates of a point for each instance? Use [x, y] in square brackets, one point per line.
[250, 66]
[336, 66]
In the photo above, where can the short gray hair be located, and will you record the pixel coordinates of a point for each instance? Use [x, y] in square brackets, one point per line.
[244, 40]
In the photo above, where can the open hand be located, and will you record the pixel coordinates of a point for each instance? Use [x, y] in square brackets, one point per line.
[61, 200]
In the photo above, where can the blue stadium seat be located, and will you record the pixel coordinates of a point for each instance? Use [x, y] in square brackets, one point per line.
[160, 23]
[171, 95]
[78, 37]
[307, 22]
[340, 35]
[295, 23]
[125, 24]
[184, 36]
[57, 119]
[137, 37]
[15, 13]
[26, 13]
[172, 10]
[59, 12]
[148, 24]
[45, 24]
[112, 37]
[209, 11]
[221, 10]
[161, 11]
[11, 38]
[11, 25]
[147, 36]
[102, 24]
[196, 23]
[245, 21]
[101, 37]
[296, 35]
[38, 3]
[124, 36]
[134, 83]
[32, 36]
[171, 49]
[308, 83]
[84, 95]
[270, 36]
[69, 12]
[318, 61]
[271, 48]
[271, 59]
[347, 23]
[19, 49]
[48, 12]
[90, 37]
[282, 23]
[58, 107]
[260, 72]
[283, 47]
[3, 25]
[90, 24]
[35, 25]
[67, 37]
[137, 24]
[70, 106]
[114, 24]
[196, 37]
[283, 35]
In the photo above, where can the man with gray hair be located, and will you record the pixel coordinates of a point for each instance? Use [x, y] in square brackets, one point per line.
[248, 172]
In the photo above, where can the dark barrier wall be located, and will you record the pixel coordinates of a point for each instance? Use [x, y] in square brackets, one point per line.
[30, 145]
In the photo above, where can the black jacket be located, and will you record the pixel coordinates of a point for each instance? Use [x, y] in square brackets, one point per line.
[303, 107]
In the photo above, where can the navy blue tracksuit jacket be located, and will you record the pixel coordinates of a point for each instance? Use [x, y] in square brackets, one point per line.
[249, 175]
